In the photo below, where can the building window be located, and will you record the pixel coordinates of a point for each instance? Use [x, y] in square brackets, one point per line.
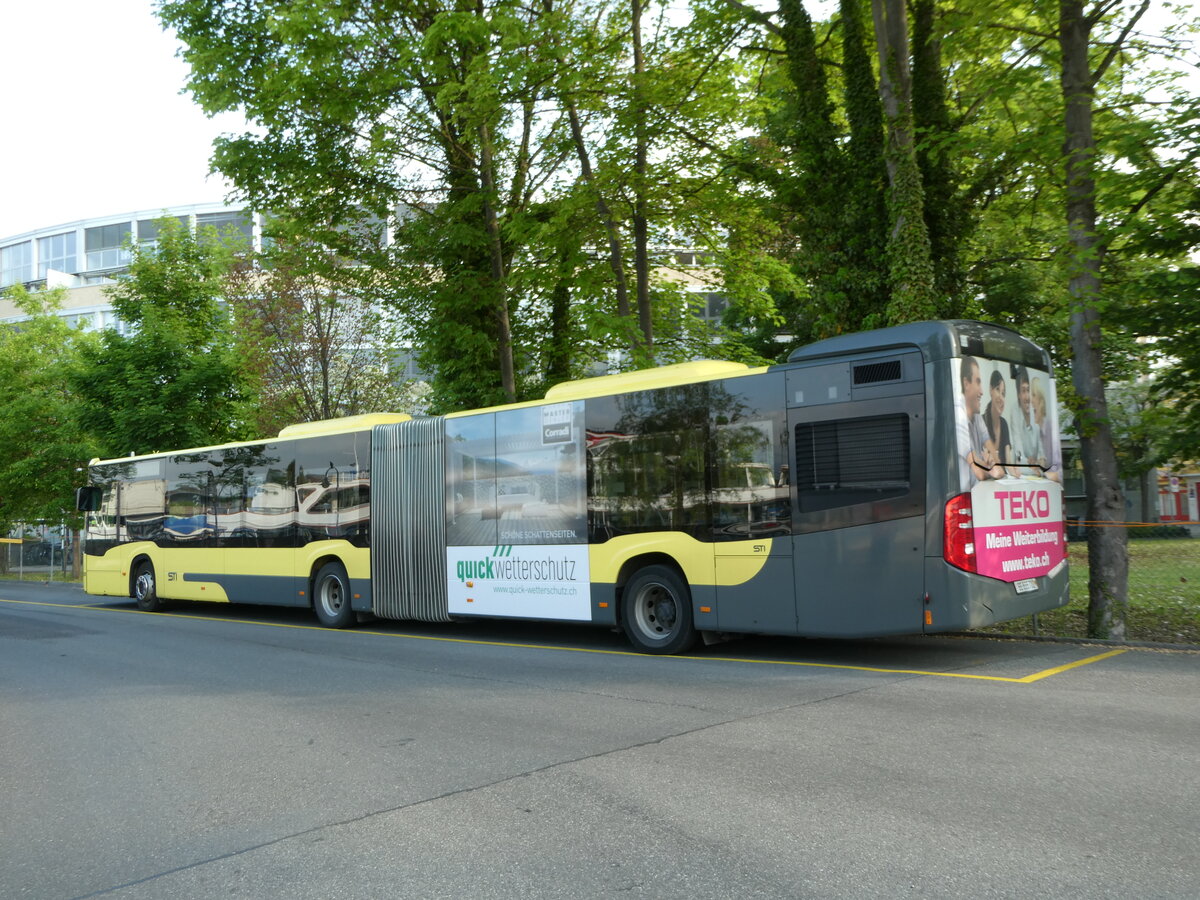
[57, 252]
[16, 264]
[709, 305]
[404, 366]
[224, 221]
[108, 319]
[147, 230]
[105, 246]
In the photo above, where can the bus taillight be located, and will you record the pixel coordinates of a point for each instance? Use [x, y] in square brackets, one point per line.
[958, 537]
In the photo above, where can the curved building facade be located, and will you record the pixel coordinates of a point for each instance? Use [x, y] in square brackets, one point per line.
[86, 255]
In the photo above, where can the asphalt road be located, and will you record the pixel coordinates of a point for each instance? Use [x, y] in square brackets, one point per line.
[238, 751]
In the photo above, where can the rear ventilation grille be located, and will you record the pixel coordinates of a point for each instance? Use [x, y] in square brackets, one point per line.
[874, 373]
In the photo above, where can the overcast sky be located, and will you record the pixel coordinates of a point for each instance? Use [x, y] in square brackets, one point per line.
[94, 122]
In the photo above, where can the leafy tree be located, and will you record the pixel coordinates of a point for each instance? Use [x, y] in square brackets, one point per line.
[44, 446]
[1102, 156]
[174, 380]
[1159, 305]
[1143, 426]
[428, 120]
[313, 348]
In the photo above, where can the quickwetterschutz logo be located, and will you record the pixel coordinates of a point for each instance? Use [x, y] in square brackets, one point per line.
[502, 566]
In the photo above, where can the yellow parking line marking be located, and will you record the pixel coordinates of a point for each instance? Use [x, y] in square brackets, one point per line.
[1028, 679]
[1046, 673]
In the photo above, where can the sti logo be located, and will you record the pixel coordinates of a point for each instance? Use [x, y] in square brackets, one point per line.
[1023, 504]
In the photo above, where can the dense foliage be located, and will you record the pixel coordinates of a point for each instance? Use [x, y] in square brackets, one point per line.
[172, 379]
[43, 443]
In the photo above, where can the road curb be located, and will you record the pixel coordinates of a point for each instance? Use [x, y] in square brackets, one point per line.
[1053, 639]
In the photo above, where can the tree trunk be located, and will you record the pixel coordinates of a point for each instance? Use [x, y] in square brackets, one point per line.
[641, 229]
[508, 381]
[1108, 563]
[910, 260]
[616, 257]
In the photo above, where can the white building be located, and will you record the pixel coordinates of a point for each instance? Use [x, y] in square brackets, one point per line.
[86, 255]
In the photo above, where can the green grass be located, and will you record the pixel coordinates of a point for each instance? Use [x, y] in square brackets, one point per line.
[1164, 595]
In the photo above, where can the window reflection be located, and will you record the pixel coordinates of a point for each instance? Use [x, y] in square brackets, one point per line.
[706, 459]
[256, 502]
[333, 488]
[276, 494]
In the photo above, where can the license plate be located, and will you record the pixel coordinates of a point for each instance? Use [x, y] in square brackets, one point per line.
[1026, 586]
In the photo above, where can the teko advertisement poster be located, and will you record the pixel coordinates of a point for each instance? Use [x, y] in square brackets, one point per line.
[1018, 528]
[1010, 461]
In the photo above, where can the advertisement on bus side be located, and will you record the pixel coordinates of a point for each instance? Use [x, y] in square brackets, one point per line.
[545, 581]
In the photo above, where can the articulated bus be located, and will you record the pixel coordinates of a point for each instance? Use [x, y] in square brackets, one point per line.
[898, 481]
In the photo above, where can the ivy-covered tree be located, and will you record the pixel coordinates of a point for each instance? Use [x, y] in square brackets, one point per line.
[947, 208]
[910, 262]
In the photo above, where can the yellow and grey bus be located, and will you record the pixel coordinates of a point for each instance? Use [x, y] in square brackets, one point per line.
[897, 481]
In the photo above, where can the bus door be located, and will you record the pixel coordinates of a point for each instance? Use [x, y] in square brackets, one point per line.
[258, 525]
[858, 490]
[190, 564]
[751, 505]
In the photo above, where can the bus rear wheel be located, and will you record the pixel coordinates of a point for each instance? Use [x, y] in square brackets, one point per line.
[331, 596]
[145, 590]
[656, 609]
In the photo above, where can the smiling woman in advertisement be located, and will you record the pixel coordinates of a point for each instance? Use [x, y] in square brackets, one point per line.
[993, 417]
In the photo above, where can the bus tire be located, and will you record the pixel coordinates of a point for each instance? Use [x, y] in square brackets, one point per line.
[145, 588]
[331, 596]
[656, 610]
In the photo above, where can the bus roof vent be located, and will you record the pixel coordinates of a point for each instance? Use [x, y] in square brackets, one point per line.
[877, 372]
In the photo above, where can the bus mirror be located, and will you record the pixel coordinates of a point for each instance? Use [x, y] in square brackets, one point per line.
[87, 499]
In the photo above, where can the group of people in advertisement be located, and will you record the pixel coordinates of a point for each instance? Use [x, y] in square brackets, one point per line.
[995, 441]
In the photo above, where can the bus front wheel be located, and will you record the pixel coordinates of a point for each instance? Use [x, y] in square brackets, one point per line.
[145, 591]
[331, 596]
[657, 611]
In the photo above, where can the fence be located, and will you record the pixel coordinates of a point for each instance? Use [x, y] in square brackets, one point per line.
[38, 551]
[1164, 584]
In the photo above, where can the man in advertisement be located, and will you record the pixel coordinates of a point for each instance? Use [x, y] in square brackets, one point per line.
[1026, 432]
[977, 458]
